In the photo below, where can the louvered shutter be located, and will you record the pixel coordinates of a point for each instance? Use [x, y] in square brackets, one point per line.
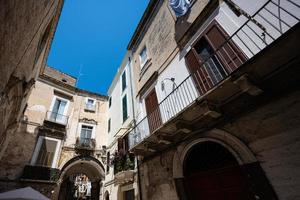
[200, 76]
[228, 53]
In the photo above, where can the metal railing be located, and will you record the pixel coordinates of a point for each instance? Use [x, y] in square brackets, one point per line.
[123, 162]
[31, 172]
[85, 143]
[267, 24]
[90, 107]
[57, 118]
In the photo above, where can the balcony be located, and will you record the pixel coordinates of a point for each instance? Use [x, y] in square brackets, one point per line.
[56, 118]
[85, 144]
[90, 107]
[40, 173]
[265, 42]
[123, 167]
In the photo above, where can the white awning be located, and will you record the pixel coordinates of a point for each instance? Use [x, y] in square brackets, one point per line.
[23, 194]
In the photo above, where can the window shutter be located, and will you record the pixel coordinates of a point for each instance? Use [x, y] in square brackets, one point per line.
[124, 105]
[120, 144]
[228, 53]
[107, 162]
[199, 74]
[153, 112]
[124, 81]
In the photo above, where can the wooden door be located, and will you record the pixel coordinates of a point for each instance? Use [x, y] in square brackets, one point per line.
[153, 113]
[222, 184]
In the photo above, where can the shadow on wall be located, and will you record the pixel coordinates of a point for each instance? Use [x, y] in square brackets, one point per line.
[17, 155]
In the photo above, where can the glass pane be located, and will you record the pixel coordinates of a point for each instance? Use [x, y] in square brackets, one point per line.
[143, 55]
[124, 80]
[211, 63]
[46, 152]
[129, 195]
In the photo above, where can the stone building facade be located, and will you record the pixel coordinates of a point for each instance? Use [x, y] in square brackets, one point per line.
[26, 32]
[217, 93]
[207, 103]
[62, 135]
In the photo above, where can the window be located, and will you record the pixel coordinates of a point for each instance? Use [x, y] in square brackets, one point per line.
[129, 195]
[58, 110]
[109, 102]
[143, 57]
[109, 124]
[124, 106]
[86, 132]
[124, 81]
[46, 152]
[43, 41]
[90, 104]
[213, 57]
[107, 162]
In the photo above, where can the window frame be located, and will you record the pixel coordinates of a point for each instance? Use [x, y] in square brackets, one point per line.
[89, 98]
[55, 97]
[87, 108]
[109, 125]
[109, 101]
[124, 80]
[38, 148]
[143, 63]
[93, 135]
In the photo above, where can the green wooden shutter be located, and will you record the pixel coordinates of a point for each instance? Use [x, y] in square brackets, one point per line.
[124, 103]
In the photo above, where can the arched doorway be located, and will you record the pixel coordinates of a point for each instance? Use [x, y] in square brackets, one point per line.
[81, 179]
[106, 195]
[212, 172]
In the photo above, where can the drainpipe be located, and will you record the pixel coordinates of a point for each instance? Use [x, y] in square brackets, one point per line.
[134, 123]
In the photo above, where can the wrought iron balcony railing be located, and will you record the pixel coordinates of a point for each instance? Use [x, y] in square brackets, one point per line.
[41, 173]
[85, 143]
[123, 162]
[57, 118]
[258, 31]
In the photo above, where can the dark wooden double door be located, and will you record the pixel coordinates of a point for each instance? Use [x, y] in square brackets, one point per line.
[223, 184]
[213, 173]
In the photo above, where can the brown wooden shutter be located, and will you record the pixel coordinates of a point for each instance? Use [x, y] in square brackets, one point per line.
[200, 76]
[153, 113]
[120, 144]
[107, 162]
[228, 53]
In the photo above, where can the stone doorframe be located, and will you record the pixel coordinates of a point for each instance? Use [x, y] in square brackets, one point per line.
[238, 149]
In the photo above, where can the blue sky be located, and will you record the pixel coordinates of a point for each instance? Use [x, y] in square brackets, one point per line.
[93, 35]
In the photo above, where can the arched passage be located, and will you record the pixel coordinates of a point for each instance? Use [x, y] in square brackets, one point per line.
[212, 172]
[215, 150]
[106, 195]
[81, 176]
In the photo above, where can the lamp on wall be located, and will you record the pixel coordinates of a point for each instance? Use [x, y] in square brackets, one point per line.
[170, 79]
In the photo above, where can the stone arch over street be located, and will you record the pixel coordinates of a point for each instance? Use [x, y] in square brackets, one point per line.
[86, 166]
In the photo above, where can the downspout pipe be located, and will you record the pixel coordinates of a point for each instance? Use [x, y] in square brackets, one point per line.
[134, 123]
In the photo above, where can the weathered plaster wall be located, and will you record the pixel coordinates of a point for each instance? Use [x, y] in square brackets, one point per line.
[22, 55]
[270, 132]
